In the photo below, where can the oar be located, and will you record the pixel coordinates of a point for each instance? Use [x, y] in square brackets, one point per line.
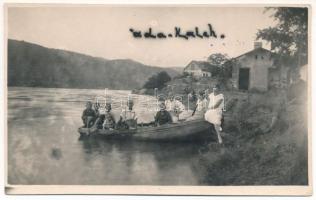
[194, 110]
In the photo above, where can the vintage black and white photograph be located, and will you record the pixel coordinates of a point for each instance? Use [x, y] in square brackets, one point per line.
[145, 95]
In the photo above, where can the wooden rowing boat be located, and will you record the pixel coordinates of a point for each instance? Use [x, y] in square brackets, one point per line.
[182, 131]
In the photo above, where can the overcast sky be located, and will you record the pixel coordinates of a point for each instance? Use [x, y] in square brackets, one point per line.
[104, 31]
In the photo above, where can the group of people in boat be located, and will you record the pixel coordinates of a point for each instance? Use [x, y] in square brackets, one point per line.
[208, 106]
[101, 117]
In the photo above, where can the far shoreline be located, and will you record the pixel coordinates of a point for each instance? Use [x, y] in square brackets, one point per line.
[40, 87]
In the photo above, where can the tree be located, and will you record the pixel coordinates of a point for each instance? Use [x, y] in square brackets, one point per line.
[219, 68]
[158, 80]
[217, 59]
[289, 37]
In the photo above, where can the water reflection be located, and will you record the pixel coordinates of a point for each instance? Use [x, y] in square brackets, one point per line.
[135, 162]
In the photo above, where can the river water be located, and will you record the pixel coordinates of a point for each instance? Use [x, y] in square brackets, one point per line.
[43, 145]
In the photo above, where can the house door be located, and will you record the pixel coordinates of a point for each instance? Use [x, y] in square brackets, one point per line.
[244, 78]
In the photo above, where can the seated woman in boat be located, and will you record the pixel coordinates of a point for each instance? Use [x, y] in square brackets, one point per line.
[128, 119]
[100, 111]
[215, 109]
[200, 107]
[175, 107]
[163, 116]
[109, 120]
[88, 115]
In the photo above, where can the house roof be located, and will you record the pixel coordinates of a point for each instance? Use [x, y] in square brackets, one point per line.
[253, 51]
[203, 65]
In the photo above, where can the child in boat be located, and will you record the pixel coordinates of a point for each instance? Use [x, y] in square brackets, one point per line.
[100, 111]
[88, 116]
[175, 107]
[109, 120]
[128, 119]
[162, 116]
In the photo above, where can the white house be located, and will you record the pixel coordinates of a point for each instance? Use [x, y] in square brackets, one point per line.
[255, 69]
[198, 69]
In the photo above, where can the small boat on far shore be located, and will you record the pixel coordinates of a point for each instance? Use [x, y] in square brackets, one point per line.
[182, 131]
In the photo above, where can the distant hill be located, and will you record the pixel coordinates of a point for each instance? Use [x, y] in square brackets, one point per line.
[177, 69]
[32, 65]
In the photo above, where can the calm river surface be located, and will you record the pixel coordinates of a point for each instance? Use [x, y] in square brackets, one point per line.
[43, 145]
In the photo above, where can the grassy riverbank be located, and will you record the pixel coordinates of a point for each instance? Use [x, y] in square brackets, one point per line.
[265, 143]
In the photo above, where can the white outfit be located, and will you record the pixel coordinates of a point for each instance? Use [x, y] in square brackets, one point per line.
[201, 105]
[214, 116]
[128, 115]
[102, 110]
[185, 115]
[175, 107]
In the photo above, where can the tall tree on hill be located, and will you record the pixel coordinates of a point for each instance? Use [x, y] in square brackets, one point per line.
[289, 36]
